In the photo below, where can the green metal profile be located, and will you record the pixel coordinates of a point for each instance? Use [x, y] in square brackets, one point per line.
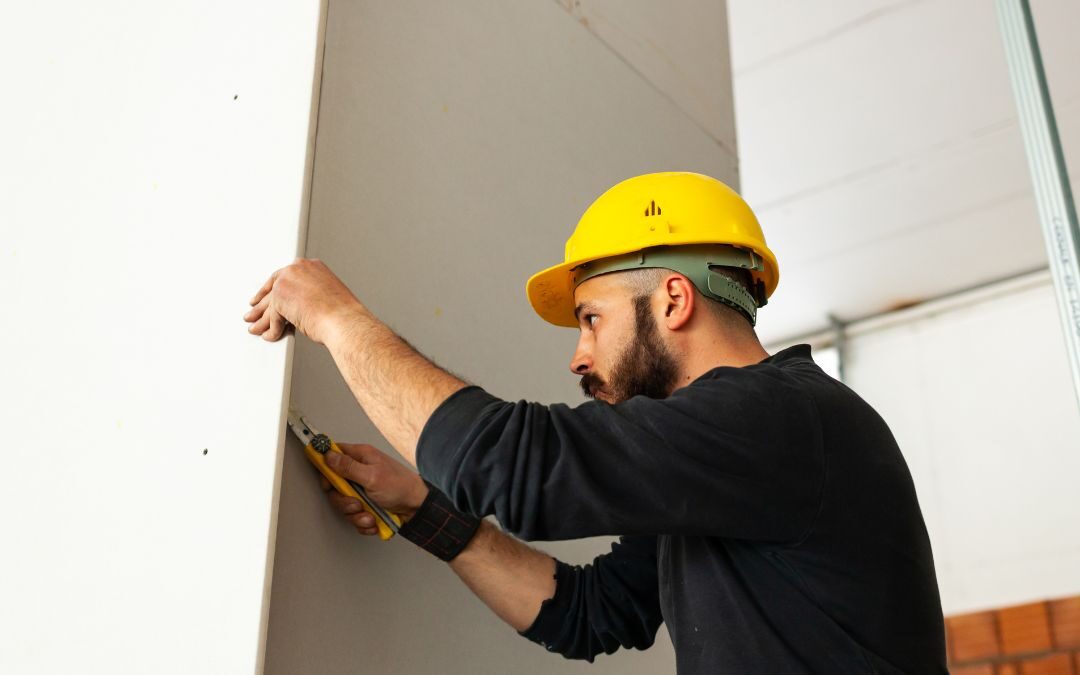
[1053, 195]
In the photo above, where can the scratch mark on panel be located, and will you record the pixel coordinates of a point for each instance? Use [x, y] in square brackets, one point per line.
[575, 10]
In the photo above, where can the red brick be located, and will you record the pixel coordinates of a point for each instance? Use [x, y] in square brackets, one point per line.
[1065, 619]
[1056, 664]
[979, 669]
[972, 636]
[1007, 669]
[1025, 628]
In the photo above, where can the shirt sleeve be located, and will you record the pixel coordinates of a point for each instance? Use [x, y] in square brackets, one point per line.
[737, 453]
[611, 603]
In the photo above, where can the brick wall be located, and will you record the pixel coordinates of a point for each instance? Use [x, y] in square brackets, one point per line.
[1040, 638]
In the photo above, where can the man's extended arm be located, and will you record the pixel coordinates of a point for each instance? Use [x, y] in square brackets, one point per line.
[396, 386]
[511, 578]
[578, 612]
[575, 611]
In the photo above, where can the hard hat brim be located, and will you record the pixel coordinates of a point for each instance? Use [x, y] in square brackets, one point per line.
[551, 294]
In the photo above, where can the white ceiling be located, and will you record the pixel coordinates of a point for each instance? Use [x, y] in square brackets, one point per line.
[879, 147]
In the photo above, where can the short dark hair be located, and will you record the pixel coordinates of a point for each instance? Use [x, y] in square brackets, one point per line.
[643, 282]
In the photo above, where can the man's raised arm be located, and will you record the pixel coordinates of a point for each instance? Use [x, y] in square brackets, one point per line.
[396, 386]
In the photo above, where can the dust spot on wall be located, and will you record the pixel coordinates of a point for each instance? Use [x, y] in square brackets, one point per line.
[438, 312]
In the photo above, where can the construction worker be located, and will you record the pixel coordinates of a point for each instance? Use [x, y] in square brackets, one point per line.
[764, 510]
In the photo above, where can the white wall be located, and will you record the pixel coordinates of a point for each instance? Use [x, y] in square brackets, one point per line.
[872, 131]
[458, 145]
[980, 400]
[152, 175]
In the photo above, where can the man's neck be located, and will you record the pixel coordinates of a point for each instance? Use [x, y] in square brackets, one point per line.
[744, 350]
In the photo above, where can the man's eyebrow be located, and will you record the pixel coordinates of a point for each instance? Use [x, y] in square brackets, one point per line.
[585, 306]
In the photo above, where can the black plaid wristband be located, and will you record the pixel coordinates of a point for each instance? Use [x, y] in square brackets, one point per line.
[438, 527]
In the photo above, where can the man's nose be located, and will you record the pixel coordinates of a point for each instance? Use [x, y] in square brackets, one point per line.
[581, 363]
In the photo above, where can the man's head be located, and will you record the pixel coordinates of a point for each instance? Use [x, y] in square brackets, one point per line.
[664, 275]
[640, 328]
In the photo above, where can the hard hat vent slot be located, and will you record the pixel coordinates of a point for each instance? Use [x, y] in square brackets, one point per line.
[653, 209]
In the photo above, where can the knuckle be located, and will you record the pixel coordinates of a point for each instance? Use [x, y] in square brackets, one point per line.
[376, 475]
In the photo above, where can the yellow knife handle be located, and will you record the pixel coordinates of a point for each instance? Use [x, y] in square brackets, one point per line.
[343, 487]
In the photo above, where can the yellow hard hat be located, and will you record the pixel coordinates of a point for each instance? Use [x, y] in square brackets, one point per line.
[670, 209]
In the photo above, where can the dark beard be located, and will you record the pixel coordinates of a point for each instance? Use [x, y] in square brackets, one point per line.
[645, 368]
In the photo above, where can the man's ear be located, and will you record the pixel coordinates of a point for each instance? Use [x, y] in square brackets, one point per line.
[680, 301]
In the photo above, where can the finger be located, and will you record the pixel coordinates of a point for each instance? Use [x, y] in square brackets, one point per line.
[253, 316]
[265, 288]
[325, 484]
[362, 520]
[361, 452]
[260, 326]
[276, 329]
[348, 506]
[367, 532]
[347, 467]
[257, 311]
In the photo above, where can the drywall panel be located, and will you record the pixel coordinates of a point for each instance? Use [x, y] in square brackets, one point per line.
[152, 175]
[980, 400]
[458, 146]
[664, 43]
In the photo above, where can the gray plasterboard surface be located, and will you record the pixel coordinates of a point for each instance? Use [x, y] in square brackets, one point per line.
[670, 44]
[453, 160]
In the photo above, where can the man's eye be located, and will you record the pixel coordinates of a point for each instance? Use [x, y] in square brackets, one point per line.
[591, 319]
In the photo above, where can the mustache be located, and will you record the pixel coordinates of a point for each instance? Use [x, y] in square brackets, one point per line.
[590, 383]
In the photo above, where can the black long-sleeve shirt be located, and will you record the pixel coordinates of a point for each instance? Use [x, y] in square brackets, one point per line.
[767, 512]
